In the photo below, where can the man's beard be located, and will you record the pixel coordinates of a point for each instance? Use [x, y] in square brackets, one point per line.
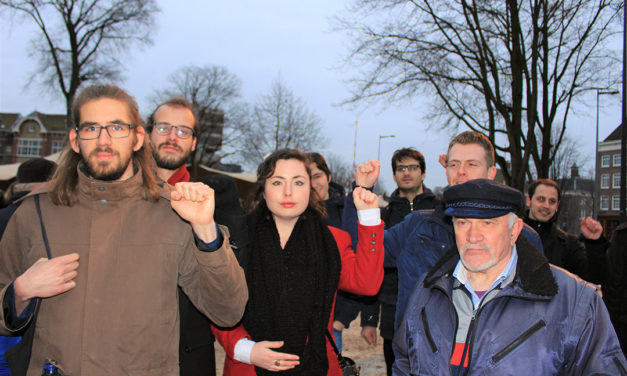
[486, 265]
[170, 162]
[101, 171]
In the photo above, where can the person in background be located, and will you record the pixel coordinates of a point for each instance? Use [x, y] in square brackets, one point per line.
[493, 305]
[586, 259]
[295, 263]
[29, 175]
[409, 172]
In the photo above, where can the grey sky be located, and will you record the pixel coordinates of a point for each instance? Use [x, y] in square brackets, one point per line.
[257, 41]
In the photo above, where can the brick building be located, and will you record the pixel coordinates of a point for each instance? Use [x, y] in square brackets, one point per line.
[30, 136]
[609, 180]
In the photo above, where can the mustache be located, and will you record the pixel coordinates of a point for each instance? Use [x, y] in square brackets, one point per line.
[103, 150]
[167, 143]
[482, 246]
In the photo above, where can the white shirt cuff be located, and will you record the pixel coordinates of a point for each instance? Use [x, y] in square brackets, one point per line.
[242, 350]
[369, 217]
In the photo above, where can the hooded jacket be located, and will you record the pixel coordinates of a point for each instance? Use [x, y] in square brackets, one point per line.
[545, 322]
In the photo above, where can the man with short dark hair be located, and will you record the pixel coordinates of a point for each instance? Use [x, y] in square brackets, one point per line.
[172, 131]
[409, 172]
[120, 246]
[493, 305]
[587, 260]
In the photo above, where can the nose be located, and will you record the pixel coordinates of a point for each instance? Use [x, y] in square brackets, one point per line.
[103, 137]
[287, 190]
[172, 134]
[474, 235]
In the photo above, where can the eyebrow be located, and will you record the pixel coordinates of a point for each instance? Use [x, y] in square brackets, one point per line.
[116, 121]
[282, 177]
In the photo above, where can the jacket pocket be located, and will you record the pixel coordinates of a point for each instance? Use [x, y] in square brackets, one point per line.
[425, 324]
[518, 341]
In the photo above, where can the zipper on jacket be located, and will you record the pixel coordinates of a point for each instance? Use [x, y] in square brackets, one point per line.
[467, 342]
[518, 341]
[411, 205]
[425, 324]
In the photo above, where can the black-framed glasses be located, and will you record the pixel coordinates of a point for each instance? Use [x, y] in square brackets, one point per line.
[181, 131]
[411, 167]
[92, 131]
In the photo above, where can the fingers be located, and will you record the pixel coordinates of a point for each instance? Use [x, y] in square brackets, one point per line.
[367, 173]
[364, 199]
[196, 192]
[262, 356]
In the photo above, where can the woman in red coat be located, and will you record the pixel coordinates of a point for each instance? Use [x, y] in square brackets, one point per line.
[294, 266]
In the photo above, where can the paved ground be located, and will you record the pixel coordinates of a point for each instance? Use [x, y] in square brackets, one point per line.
[369, 358]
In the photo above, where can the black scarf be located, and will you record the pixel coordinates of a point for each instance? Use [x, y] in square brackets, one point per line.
[291, 290]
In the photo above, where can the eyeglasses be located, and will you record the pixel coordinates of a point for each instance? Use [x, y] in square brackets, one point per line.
[411, 167]
[92, 131]
[181, 131]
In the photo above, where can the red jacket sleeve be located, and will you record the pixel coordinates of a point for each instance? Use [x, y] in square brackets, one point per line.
[362, 271]
[228, 337]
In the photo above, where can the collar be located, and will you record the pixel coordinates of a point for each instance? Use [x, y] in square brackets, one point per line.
[94, 189]
[533, 273]
[506, 277]
[180, 175]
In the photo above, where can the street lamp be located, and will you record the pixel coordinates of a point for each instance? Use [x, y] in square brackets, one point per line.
[595, 206]
[379, 152]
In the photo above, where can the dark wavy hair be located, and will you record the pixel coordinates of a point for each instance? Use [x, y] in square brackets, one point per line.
[266, 170]
[64, 181]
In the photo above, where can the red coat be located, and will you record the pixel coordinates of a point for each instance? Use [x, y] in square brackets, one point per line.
[362, 273]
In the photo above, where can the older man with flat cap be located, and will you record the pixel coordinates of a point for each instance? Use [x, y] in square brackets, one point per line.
[493, 305]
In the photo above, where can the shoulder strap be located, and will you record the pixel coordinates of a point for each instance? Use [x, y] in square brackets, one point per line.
[330, 338]
[43, 228]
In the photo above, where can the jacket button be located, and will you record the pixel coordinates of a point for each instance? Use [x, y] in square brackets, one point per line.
[187, 349]
[373, 235]
[101, 188]
[373, 242]
[372, 250]
[410, 342]
[103, 202]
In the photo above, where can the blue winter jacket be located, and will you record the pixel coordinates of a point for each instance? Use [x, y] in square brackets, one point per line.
[415, 245]
[546, 322]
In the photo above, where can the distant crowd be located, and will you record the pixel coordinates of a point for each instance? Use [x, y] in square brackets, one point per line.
[115, 262]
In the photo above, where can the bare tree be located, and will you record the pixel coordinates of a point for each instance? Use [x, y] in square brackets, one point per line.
[279, 120]
[509, 69]
[341, 171]
[84, 40]
[214, 93]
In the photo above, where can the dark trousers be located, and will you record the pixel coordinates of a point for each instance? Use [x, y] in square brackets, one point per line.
[388, 354]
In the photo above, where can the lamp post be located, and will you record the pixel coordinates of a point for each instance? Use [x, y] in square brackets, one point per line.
[380, 137]
[595, 205]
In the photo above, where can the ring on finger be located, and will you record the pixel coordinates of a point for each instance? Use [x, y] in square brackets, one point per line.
[277, 362]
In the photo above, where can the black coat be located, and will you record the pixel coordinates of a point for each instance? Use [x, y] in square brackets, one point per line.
[615, 291]
[586, 258]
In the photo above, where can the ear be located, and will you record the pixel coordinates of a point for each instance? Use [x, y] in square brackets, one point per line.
[516, 229]
[394, 178]
[528, 200]
[424, 175]
[194, 139]
[491, 173]
[140, 134]
[329, 178]
[73, 137]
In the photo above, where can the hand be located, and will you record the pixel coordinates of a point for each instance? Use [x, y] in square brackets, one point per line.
[442, 160]
[338, 325]
[45, 278]
[364, 199]
[369, 333]
[262, 356]
[591, 229]
[367, 173]
[195, 203]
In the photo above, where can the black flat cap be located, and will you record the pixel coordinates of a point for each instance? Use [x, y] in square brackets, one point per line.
[481, 198]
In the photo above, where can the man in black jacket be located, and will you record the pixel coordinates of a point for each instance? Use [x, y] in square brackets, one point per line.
[586, 259]
[409, 169]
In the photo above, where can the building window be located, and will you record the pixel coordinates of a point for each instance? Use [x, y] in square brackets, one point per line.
[605, 203]
[29, 147]
[605, 181]
[616, 202]
[616, 180]
[605, 160]
[57, 146]
[616, 160]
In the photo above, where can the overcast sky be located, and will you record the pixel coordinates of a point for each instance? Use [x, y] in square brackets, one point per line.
[258, 41]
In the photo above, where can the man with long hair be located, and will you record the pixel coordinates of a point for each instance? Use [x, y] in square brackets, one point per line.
[120, 245]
